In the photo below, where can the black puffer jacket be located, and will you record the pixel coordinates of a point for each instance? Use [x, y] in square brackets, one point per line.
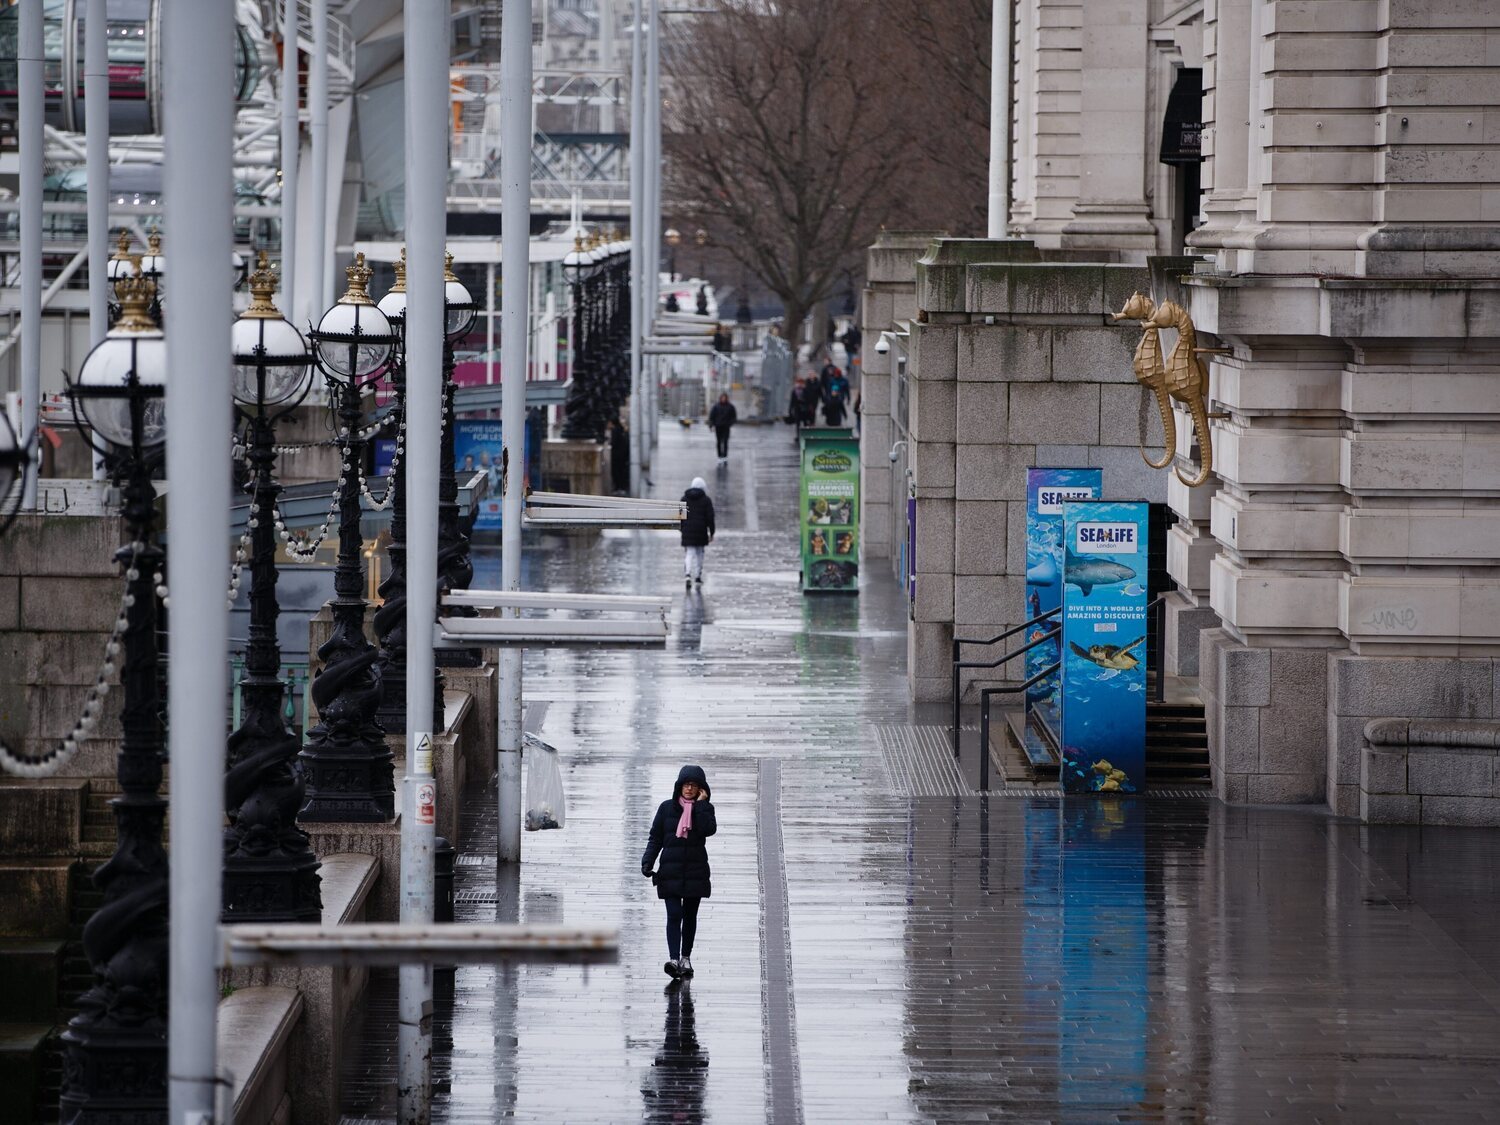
[684, 860]
[723, 415]
[698, 527]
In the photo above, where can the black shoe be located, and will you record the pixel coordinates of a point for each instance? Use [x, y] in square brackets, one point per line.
[672, 970]
[685, 965]
[687, 583]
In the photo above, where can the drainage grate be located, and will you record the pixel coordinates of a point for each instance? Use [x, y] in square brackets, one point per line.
[919, 761]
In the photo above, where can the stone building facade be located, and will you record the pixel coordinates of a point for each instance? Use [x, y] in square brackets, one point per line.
[1339, 569]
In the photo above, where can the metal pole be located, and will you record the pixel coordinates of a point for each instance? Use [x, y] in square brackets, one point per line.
[198, 41]
[606, 60]
[489, 322]
[96, 137]
[653, 210]
[515, 248]
[426, 23]
[31, 140]
[999, 221]
[291, 152]
[321, 293]
[96, 130]
[638, 325]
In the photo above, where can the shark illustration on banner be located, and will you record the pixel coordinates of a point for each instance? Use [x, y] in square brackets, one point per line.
[1047, 489]
[1104, 637]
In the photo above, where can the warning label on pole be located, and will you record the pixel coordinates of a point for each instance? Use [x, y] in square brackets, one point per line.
[426, 803]
[424, 752]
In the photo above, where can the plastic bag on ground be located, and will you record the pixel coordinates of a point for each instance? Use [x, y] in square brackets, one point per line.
[546, 805]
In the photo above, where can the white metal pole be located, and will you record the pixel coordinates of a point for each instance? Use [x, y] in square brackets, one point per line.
[317, 107]
[607, 111]
[31, 140]
[426, 23]
[96, 138]
[638, 325]
[489, 322]
[96, 160]
[999, 221]
[515, 253]
[198, 48]
[291, 153]
[653, 211]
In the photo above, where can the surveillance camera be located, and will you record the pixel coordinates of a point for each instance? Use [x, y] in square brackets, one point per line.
[882, 345]
[893, 457]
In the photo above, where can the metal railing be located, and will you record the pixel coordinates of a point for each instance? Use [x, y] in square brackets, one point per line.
[959, 663]
[1156, 639]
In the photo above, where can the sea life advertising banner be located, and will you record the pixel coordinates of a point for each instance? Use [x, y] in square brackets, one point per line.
[1104, 646]
[829, 506]
[1046, 492]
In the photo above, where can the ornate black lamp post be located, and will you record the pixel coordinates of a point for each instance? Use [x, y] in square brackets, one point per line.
[454, 567]
[390, 618]
[586, 409]
[346, 764]
[115, 1049]
[270, 872]
[673, 238]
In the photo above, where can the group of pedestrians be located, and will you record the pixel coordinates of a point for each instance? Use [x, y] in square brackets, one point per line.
[829, 388]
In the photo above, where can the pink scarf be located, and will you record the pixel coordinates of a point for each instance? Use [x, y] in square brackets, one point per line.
[684, 825]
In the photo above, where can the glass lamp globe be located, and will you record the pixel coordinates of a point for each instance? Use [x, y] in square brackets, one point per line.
[129, 364]
[153, 264]
[393, 304]
[120, 265]
[458, 305]
[354, 339]
[270, 356]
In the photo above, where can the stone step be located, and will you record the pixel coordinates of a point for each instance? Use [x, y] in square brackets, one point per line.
[29, 976]
[35, 894]
[23, 1062]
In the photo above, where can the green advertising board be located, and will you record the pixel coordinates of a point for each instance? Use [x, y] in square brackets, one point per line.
[829, 520]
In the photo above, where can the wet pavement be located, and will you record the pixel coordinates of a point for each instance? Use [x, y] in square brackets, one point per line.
[883, 944]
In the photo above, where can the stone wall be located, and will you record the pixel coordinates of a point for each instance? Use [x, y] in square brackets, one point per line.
[889, 301]
[1013, 362]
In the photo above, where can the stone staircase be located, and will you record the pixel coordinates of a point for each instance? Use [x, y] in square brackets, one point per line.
[1176, 744]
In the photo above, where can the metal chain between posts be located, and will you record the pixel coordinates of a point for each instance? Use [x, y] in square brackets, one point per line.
[22, 765]
[300, 548]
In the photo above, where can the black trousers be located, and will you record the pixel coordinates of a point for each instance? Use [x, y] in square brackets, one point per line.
[682, 926]
[722, 433]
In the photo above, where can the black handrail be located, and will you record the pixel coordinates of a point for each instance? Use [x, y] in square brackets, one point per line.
[958, 659]
[984, 719]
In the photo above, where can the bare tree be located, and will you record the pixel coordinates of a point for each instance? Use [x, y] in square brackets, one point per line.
[774, 140]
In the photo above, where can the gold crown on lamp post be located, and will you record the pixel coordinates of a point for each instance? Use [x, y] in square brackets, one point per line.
[399, 265]
[262, 290]
[135, 294]
[448, 274]
[122, 246]
[153, 240]
[358, 275]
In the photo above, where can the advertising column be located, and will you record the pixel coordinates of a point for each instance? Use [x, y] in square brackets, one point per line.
[1046, 492]
[1104, 646]
[829, 521]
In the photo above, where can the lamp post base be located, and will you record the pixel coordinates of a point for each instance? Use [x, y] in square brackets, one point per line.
[114, 1076]
[351, 783]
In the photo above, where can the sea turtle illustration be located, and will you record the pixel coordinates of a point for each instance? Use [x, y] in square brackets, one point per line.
[1110, 656]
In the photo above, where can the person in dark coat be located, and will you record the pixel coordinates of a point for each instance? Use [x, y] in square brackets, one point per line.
[682, 879]
[722, 418]
[697, 530]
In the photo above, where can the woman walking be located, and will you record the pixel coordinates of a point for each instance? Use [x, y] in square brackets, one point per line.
[677, 835]
[697, 530]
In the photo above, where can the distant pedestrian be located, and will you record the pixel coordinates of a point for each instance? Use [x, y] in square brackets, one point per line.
[722, 418]
[835, 404]
[678, 832]
[825, 378]
[697, 530]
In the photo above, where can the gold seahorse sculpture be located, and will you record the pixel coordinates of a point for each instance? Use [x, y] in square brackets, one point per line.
[1187, 382]
[1150, 372]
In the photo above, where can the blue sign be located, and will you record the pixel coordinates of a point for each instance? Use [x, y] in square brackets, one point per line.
[1046, 492]
[477, 447]
[1104, 646]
